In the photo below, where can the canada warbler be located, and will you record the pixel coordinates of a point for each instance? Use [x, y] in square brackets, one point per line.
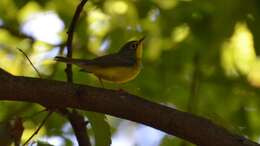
[119, 67]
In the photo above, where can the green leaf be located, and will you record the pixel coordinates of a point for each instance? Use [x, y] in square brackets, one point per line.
[100, 128]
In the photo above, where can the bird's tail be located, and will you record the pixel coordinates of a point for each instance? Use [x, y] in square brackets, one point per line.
[67, 60]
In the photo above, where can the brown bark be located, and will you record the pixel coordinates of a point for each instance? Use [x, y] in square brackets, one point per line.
[58, 94]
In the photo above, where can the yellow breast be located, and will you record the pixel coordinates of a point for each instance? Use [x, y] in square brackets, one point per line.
[118, 74]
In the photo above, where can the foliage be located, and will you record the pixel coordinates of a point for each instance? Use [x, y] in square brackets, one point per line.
[200, 56]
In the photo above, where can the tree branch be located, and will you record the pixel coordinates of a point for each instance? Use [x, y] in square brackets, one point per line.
[39, 128]
[76, 120]
[70, 37]
[79, 126]
[16, 32]
[58, 94]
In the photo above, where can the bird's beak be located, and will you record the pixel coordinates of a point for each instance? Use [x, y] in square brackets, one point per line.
[141, 40]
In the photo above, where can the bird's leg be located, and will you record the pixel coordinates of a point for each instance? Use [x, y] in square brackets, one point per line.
[101, 82]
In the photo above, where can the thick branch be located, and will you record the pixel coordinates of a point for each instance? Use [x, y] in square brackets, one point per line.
[58, 94]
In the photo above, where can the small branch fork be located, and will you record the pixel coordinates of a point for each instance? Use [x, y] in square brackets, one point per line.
[76, 120]
[49, 113]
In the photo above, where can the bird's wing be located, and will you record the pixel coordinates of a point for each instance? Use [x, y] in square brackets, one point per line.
[111, 60]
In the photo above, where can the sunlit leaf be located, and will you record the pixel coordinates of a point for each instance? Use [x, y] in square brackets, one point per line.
[100, 128]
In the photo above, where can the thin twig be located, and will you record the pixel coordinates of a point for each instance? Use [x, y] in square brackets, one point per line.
[194, 85]
[76, 120]
[49, 113]
[38, 129]
[30, 62]
[70, 38]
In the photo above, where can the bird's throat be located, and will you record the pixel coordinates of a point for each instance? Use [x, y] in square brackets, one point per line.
[139, 52]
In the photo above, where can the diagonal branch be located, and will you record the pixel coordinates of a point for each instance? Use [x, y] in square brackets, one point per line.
[26, 56]
[39, 128]
[60, 94]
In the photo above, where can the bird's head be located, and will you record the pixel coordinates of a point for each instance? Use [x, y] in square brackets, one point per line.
[133, 48]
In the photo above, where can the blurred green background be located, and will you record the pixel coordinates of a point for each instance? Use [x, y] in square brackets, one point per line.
[200, 56]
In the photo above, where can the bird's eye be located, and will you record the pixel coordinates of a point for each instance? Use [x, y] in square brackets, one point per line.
[134, 45]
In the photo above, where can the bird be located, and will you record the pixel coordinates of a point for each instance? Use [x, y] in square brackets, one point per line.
[119, 67]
